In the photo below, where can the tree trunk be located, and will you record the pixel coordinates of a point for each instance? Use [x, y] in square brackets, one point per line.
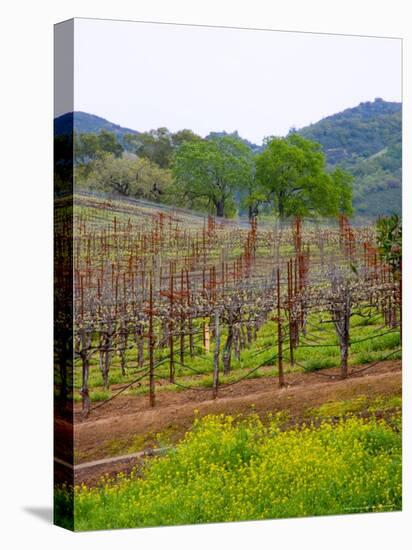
[344, 343]
[140, 345]
[220, 208]
[281, 207]
[344, 352]
[123, 348]
[85, 385]
[253, 211]
[227, 352]
[236, 342]
[341, 315]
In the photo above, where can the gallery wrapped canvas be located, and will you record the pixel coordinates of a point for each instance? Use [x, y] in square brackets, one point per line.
[228, 274]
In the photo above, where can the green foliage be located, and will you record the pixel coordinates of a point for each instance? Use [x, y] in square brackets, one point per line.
[364, 141]
[89, 147]
[359, 404]
[292, 172]
[367, 142]
[158, 145]
[360, 131]
[155, 145]
[229, 469]
[252, 146]
[390, 241]
[210, 172]
[342, 183]
[128, 176]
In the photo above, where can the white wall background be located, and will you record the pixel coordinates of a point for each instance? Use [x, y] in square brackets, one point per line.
[26, 272]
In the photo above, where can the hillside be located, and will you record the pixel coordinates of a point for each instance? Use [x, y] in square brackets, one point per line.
[89, 124]
[367, 141]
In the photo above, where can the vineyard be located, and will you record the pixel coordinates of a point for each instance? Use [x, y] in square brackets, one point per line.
[227, 282]
[178, 314]
[169, 299]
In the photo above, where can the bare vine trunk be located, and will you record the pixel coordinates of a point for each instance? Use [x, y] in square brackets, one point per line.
[227, 351]
[216, 357]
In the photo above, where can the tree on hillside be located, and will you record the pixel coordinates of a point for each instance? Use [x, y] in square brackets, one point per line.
[88, 147]
[342, 182]
[184, 135]
[131, 177]
[158, 145]
[292, 170]
[213, 171]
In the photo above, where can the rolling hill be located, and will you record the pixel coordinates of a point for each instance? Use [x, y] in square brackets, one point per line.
[365, 140]
[89, 124]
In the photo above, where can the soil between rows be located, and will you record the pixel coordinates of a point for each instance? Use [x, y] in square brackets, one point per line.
[128, 417]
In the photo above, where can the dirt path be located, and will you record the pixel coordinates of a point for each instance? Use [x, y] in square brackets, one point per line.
[110, 430]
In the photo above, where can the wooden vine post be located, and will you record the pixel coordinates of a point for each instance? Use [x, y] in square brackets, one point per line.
[216, 356]
[182, 321]
[152, 397]
[280, 336]
[291, 327]
[171, 343]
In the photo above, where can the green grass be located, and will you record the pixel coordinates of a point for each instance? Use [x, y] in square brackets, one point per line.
[310, 356]
[356, 405]
[228, 469]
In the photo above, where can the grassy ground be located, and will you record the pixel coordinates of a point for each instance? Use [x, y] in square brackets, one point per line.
[318, 350]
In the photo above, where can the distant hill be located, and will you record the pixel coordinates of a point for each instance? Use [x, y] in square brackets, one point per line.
[89, 124]
[367, 142]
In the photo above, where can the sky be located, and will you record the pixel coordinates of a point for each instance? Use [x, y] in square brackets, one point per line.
[260, 83]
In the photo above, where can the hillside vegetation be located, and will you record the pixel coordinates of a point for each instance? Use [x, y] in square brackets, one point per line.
[367, 142]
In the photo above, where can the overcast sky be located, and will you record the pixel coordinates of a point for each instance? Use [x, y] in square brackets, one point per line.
[260, 83]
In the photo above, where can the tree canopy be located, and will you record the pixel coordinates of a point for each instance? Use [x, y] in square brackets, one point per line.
[131, 177]
[219, 174]
[158, 145]
[213, 171]
[292, 172]
[88, 147]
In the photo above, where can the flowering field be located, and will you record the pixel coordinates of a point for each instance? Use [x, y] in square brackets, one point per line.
[234, 469]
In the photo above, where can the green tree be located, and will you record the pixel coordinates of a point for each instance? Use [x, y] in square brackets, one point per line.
[212, 171]
[89, 147]
[292, 170]
[390, 241]
[131, 177]
[156, 146]
[184, 135]
[343, 185]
